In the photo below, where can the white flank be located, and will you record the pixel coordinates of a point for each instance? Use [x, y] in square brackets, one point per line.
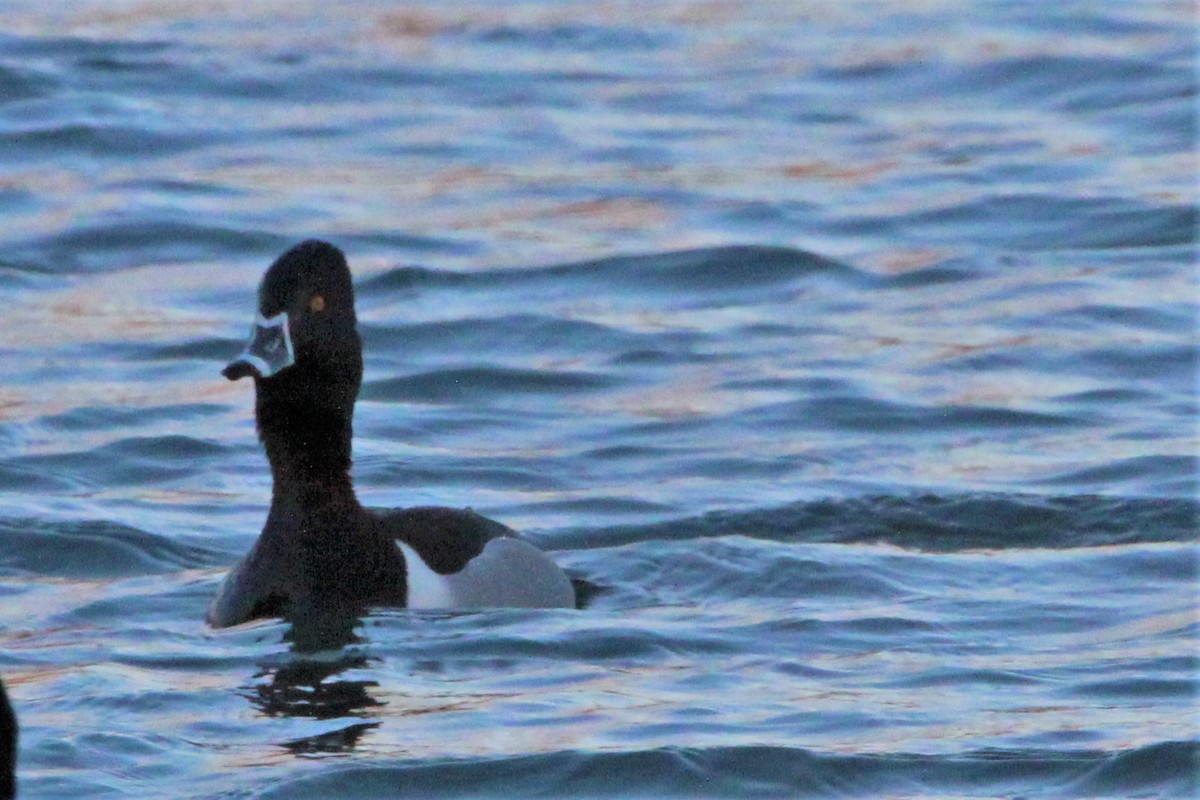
[426, 588]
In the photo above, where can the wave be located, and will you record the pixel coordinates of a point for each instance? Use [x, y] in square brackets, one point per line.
[716, 268]
[98, 247]
[473, 384]
[928, 523]
[1165, 769]
[132, 461]
[92, 549]
[938, 523]
[1043, 222]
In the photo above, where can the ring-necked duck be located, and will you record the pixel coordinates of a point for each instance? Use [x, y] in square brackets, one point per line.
[321, 552]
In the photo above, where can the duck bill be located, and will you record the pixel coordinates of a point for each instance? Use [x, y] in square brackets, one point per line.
[268, 352]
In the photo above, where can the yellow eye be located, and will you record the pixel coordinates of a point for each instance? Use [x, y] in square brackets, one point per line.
[316, 303]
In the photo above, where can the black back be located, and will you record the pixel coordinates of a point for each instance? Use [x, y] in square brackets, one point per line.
[445, 538]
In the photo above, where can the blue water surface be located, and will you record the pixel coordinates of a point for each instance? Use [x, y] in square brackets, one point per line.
[847, 351]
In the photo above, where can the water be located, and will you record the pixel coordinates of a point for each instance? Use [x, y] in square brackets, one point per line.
[848, 350]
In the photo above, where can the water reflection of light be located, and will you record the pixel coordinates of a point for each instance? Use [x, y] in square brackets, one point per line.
[52, 398]
[131, 304]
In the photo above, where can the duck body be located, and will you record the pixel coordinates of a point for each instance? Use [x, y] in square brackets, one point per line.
[321, 552]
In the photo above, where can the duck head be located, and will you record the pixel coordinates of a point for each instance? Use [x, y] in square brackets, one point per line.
[305, 319]
[305, 356]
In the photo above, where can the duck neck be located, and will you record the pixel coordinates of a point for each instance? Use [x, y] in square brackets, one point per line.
[308, 446]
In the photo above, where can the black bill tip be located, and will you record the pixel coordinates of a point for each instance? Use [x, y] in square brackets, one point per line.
[236, 370]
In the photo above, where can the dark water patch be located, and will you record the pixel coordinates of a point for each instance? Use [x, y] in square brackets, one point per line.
[810, 112]
[117, 244]
[719, 269]
[426, 424]
[574, 37]
[733, 566]
[935, 275]
[28, 475]
[696, 110]
[516, 333]
[1108, 319]
[121, 62]
[633, 645]
[91, 549]
[1151, 227]
[483, 385]
[683, 351]
[407, 279]
[162, 605]
[1165, 769]
[887, 418]
[805, 384]
[92, 418]
[1133, 472]
[1049, 223]
[1169, 125]
[177, 69]
[23, 82]
[178, 187]
[1161, 318]
[486, 87]
[745, 466]
[866, 72]
[937, 523]
[765, 771]
[878, 630]
[983, 679]
[1073, 83]
[600, 505]
[668, 429]
[95, 140]
[50, 46]
[524, 85]
[495, 475]
[626, 452]
[446, 149]
[405, 242]
[985, 363]
[163, 448]
[1106, 398]
[1153, 565]
[1113, 21]
[1180, 362]
[1141, 688]
[24, 274]
[725, 268]
[136, 462]
[460, 646]
[211, 349]
[780, 330]
[760, 213]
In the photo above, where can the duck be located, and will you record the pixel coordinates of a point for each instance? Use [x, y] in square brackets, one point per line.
[321, 553]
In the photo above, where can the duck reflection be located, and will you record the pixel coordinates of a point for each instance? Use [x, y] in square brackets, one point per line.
[311, 689]
[342, 740]
[310, 684]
